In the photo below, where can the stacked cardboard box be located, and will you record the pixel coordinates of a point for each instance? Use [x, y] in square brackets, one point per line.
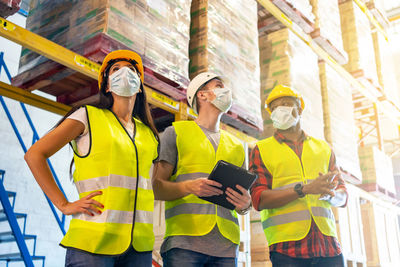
[376, 168]
[156, 29]
[224, 40]
[328, 32]
[286, 59]
[339, 124]
[385, 66]
[357, 41]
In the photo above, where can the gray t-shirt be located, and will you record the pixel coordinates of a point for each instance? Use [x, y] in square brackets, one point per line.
[213, 243]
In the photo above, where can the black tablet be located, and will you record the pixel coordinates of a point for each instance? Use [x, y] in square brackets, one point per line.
[229, 175]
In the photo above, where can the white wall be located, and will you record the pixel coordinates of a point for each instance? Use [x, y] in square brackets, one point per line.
[18, 177]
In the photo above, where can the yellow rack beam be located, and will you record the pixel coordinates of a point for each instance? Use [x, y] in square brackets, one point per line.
[33, 99]
[371, 18]
[392, 112]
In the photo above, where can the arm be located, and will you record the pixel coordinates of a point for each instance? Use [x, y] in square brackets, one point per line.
[168, 190]
[163, 188]
[274, 198]
[36, 158]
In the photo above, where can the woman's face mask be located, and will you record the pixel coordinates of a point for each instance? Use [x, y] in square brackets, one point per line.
[124, 82]
[282, 118]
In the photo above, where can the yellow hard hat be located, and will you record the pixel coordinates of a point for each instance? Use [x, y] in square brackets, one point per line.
[123, 54]
[281, 91]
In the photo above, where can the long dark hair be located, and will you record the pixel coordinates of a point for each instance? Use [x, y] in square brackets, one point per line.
[141, 109]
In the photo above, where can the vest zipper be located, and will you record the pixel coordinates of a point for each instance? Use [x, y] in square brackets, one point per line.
[137, 175]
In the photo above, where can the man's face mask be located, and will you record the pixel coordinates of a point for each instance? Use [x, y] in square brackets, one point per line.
[283, 118]
[223, 99]
[124, 82]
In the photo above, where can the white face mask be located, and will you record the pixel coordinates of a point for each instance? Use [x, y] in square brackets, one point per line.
[283, 119]
[223, 99]
[124, 82]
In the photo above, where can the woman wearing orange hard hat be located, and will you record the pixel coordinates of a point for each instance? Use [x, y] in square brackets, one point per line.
[114, 144]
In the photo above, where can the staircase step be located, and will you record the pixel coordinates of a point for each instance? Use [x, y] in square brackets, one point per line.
[11, 194]
[17, 257]
[3, 216]
[9, 237]
[10, 256]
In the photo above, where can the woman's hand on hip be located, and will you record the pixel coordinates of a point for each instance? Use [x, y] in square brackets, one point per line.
[84, 205]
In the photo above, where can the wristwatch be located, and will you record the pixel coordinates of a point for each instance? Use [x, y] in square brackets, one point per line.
[245, 210]
[298, 188]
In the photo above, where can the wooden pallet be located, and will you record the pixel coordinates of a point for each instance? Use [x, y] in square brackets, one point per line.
[378, 190]
[269, 24]
[240, 123]
[296, 16]
[339, 55]
[70, 87]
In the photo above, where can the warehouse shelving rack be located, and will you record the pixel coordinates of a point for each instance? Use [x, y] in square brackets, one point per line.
[381, 105]
[180, 109]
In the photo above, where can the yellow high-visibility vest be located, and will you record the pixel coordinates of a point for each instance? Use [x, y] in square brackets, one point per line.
[293, 221]
[190, 215]
[111, 167]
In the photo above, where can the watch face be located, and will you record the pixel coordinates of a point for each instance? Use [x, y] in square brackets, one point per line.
[298, 188]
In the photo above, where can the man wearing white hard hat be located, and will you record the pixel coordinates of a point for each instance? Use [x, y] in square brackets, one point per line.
[199, 233]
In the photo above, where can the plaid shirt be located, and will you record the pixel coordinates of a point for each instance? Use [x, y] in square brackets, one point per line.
[315, 244]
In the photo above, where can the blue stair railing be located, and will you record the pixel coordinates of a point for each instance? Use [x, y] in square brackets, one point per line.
[15, 235]
[20, 237]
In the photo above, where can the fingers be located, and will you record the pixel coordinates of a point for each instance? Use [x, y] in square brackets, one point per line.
[233, 194]
[333, 185]
[233, 202]
[96, 203]
[213, 183]
[93, 194]
[83, 210]
[239, 200]
[209, 192]
[242, 189]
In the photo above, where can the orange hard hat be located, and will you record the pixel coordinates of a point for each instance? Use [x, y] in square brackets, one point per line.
[121, 54]
[281, 91]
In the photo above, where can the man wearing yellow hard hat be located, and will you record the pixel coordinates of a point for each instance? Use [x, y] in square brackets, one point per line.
[298, 182]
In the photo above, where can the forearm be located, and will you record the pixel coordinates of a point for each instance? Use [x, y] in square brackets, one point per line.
[168, 191]
[271, 199]
[41, 171]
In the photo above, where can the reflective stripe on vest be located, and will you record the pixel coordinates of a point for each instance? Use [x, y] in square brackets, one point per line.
[191, 215]
[118, 216]
[292, 221]
[111, 166]
[113, 180]
[302, 215]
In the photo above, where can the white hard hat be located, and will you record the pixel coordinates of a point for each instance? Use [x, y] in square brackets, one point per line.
[195, 85]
